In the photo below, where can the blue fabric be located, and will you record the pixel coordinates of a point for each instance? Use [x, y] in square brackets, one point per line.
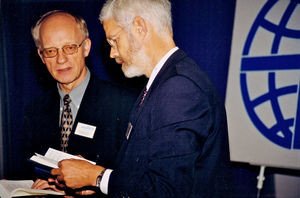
[178, 146]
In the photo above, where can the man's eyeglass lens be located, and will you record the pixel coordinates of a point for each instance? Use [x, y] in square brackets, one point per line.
[67, 49]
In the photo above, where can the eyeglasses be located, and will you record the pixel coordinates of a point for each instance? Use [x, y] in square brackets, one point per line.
[67, 49]
[114, 42]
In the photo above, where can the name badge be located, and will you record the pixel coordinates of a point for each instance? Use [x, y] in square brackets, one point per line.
[85, 130]
[128, 131]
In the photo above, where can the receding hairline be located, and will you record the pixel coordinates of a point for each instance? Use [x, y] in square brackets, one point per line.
[78, 20]
[60, 14]
[57, 14]
[52, 17]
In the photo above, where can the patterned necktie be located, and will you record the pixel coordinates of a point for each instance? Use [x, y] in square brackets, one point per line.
[66, 123]
[143, 97]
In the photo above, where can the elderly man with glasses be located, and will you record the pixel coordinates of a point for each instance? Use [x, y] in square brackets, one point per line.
[82, 115]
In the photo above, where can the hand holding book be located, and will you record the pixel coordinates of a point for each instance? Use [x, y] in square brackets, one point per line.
[44, 163]
[52, 157]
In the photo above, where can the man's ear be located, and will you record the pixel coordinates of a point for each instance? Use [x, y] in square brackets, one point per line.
[87, 47]
[140, 26]
[41, 56]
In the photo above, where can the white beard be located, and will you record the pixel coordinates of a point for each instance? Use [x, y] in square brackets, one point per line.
[131, 71]
[139, 61]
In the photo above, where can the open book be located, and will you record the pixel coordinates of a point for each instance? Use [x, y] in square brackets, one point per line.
[12, 188]
[52, 157]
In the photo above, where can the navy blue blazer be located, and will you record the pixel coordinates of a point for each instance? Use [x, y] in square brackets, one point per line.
[178, 144]
[104, 105]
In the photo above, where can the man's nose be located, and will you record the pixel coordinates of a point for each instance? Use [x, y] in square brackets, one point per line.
[114, 52]
[61, 57]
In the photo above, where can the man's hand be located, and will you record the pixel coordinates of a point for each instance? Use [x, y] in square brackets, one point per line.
[45, 185]
[77, 173]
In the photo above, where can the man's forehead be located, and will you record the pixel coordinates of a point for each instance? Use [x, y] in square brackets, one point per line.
[109, 26]
[60, 27]
[58, 19]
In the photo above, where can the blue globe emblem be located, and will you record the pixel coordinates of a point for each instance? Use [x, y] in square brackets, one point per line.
[274, 105]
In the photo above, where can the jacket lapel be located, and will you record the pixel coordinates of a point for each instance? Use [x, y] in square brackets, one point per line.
[166, 71]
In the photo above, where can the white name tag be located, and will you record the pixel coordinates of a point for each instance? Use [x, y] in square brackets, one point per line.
[85, 130]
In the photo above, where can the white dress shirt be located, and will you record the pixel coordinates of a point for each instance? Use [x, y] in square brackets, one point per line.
[76, 96]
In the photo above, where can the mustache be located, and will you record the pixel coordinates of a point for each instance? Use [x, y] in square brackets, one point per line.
[119, 60]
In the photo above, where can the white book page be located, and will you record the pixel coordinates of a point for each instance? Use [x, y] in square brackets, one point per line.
[9, 185]
[59, 155]
[52, 157]
[44, 160]
[30, 192]
[15, 188]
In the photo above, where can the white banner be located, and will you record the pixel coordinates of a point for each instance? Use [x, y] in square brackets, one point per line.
[262, 98]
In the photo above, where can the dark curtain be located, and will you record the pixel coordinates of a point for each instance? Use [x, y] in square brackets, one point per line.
[202, 28]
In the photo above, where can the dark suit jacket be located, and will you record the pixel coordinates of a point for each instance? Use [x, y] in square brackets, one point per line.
[178, 146]
[104, 105]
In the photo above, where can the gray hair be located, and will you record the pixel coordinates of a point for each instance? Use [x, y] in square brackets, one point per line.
[157, 12]
[35, 30]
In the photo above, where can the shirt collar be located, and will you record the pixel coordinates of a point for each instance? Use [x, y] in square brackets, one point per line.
[77, 93]
[159, 65]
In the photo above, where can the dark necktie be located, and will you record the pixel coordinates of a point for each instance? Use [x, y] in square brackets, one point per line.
[66, 123]
[143, 97]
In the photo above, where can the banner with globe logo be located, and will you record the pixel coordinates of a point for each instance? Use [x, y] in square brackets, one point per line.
[262, 98]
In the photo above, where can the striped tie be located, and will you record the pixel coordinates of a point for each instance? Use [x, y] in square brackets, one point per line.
[66, 123]
[143, 97]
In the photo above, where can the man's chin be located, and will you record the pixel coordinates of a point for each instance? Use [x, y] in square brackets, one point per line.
[66, 82]
[132, 71]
